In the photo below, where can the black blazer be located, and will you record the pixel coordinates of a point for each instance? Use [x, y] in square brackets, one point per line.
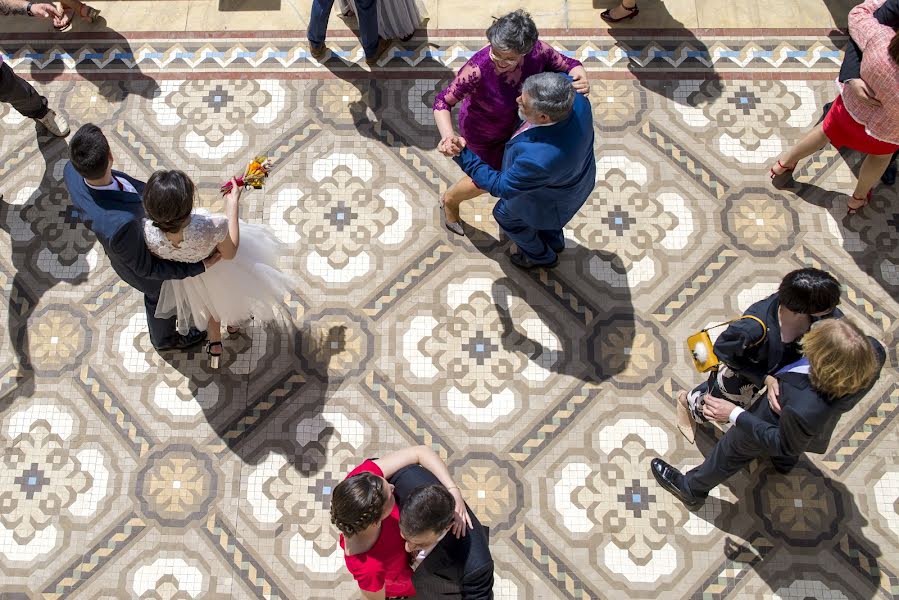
[807, 419]
[456, 568]
[116, 218]
[737, 345]
[887, 14]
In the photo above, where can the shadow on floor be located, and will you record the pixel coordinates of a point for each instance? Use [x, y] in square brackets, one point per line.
[113, 52]
[385, 110]
[676, 41]
[279, 397]
[805, 519]
[585, 351]
[48, 245]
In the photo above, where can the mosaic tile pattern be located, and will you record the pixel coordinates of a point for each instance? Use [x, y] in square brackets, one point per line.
[130, 474]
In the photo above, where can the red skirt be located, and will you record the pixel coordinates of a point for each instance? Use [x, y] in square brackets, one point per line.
[842, 130]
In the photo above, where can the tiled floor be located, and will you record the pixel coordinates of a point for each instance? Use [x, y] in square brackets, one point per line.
[129, 474]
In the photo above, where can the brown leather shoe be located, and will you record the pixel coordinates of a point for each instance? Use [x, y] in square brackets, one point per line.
[317, 51]
[383, 45]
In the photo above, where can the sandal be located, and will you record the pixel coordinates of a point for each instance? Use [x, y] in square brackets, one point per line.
[606, 15]
[454, 226]
[786, 169]
[864, 202]
[213, 356]
[232, 330]
[69, 16]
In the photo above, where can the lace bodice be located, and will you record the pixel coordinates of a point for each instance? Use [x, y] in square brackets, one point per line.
[201, 236]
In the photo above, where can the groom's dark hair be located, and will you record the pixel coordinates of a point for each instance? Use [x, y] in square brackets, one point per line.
[89, 152]
[428, 508]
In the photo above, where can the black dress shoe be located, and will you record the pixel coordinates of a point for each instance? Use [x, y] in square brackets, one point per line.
[183, 342]
[889, 176]
[670, 479]
[523, 262]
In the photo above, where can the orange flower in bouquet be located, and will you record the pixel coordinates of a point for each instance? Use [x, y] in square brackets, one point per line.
[254, 176]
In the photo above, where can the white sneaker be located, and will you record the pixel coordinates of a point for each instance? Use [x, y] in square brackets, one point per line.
[55, 123]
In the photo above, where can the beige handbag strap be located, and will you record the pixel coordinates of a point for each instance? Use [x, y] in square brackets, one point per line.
[754, 318]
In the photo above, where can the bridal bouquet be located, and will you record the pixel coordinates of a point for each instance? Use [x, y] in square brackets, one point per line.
[255, 175]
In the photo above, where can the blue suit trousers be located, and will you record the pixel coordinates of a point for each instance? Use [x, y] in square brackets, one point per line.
[539, 245]
[366, 10]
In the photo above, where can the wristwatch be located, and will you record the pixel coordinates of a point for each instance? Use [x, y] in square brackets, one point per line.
[28, 9]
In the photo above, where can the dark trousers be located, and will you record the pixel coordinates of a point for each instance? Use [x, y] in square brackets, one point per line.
[732, 452]
[17, 92]
[539, 245]
[366, 10]
[162, 331]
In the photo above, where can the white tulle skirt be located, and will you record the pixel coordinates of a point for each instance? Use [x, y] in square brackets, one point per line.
[233, 291]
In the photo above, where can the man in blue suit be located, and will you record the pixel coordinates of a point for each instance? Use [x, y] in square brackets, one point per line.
[549, 169]
[109, 204]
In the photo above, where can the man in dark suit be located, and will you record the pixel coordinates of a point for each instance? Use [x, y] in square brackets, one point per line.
[109, 204]
[549, 169]
[445, 566]
[840, 366]
[851, 73]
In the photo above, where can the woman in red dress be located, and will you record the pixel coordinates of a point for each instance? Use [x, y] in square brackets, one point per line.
[364, 510]
[865, 116]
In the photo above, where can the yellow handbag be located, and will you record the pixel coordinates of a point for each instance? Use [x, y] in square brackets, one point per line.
[703, 351]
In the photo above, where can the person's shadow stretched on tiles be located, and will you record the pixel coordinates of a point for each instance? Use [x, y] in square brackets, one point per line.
[48, 245]
[279, 396]
[586, 354]
[110, 65]
[682, 55]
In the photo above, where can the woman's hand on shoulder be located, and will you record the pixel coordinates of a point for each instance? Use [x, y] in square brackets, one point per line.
[579, 80]
[461, 520]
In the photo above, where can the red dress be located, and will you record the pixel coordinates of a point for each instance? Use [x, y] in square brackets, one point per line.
[386, 564]
[843, 130]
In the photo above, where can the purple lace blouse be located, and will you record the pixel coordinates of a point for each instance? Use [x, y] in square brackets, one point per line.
[489, 113]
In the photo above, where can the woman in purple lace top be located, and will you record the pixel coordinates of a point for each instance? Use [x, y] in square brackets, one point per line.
[487, 86]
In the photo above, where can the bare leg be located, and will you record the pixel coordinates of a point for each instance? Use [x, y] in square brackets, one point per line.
[214, 330]
[813, 141]
[872, 168]
[462, 190]
[214, 342]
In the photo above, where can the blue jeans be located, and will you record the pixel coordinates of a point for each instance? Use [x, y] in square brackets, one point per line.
[539, 245]
[366, 10]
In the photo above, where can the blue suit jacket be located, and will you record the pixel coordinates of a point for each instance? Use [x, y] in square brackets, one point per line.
[116, 218]
[548, 172]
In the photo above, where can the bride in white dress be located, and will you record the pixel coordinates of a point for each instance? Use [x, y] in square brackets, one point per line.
[245, 284]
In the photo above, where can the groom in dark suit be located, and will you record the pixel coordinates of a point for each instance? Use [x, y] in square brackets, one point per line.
[549, 169]
[841, 365]
[445, 566]
[109, 204]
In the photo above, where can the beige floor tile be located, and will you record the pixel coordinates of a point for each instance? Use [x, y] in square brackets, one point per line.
[712, 14]
[245, 15]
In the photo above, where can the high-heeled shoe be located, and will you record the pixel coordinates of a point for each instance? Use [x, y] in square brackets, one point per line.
[786, 169]
[214, 358]
[864, 202]
[454, 226]
[606, 15]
